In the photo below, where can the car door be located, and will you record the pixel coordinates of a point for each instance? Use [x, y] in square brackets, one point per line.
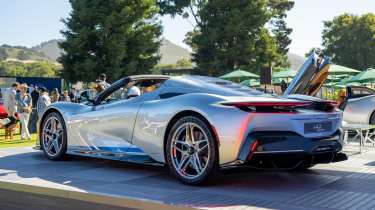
[108, 125]
[310, 76]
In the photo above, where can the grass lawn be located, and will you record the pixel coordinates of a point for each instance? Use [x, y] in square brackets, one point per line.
[16, 141]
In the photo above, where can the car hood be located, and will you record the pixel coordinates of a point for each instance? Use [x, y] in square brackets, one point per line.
[310, 76]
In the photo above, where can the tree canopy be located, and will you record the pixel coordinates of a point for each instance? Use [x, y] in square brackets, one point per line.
[231, 34]
[3, 54]
[110, 36]
[350, 40]
[35, 69]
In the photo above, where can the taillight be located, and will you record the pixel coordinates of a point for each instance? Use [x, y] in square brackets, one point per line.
[268, 103]
[269, 106]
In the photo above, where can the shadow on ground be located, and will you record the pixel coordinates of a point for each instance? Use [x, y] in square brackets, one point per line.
[237, 187]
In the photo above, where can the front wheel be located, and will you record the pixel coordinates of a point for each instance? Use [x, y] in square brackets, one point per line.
[53, 136]
[191, 150]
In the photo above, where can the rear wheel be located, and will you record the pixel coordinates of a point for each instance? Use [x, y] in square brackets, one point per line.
[53, 136]
[191, 153]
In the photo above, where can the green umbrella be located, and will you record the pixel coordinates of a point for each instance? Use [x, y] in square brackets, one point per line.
[329, 84]
[345, 81]
[276, 81]
[284, 74]
[337, 69]
[354, 84]
[339, 85]
[239, 75]
[333, 78]
[365, 76]
[250, 82]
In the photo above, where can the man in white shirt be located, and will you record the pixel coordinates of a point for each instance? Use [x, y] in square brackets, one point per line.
[11, 100]
[10, 105]
[43, 101]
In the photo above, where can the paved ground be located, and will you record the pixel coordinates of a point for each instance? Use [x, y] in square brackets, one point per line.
[13, 200]
[345, 185]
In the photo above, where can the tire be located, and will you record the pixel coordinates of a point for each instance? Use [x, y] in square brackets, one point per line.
[372, 118]
[191, 160]
[53, 135]
[305, 165]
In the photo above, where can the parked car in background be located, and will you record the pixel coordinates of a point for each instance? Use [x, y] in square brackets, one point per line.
[359, 105]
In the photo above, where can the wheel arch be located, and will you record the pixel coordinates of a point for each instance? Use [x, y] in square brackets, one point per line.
[185, 113]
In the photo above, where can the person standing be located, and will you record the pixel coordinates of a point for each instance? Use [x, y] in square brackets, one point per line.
[55, 96]
[10, 104]
[24, 103]
[34, 115]
[43, 101]
[103, 82]
[34, 96]
[66, 97]
[72, 95]
[284, 86]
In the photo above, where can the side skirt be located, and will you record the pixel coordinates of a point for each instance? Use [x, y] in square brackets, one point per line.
[122, 154]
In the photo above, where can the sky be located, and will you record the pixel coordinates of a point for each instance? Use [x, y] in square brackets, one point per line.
[30, 22]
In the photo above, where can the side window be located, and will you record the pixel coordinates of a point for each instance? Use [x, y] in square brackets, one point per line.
[116, 95]
[360, 92]
[171, 92]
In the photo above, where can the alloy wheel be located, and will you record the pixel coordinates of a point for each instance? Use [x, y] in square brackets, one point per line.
[190, 150]
[52, 136]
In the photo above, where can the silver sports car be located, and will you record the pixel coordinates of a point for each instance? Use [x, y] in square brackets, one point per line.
[197, 125]
[359, 105]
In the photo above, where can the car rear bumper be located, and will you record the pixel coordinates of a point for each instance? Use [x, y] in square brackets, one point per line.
[288, 150]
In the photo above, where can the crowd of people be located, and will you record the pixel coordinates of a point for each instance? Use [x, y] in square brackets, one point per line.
[26, 105]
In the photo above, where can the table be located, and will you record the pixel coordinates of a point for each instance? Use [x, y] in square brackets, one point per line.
[364, 131]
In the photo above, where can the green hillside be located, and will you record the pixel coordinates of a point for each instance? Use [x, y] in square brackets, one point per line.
[295, 61]
[170, 53]
[49, 48]
[22, 53]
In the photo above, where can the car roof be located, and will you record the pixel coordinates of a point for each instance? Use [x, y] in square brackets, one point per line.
[204, 84]
[211, 85]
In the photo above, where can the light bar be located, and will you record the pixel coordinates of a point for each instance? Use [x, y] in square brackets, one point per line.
[269, 103]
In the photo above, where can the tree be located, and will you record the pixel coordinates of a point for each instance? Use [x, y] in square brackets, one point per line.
[22, 55]
[109, 36]
[184, 63]
[3, 54]
[280, 29]
[350, 40]
[36, 69]
[230, 34]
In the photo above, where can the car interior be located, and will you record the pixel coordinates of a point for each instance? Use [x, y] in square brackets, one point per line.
[133, 89]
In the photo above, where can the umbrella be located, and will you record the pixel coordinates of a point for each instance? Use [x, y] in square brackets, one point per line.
[239, 75]
[337, 69]
[250, 82]
[333, 78]
[276, 81]
[365, 76]
[329, 84]
[284, 74]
